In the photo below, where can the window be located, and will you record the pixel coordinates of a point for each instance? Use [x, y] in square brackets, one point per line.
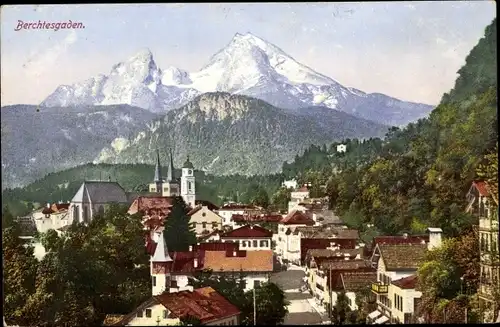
[148, 313]
[255, 244]
[203, 214]
[214, 225]
[193, 225]
[165, 189]
[243, 244]
[154, 280]
[263, 244]
[153, 189]
[204, 225]
[256, 283]
[139, 314]
[165, 314]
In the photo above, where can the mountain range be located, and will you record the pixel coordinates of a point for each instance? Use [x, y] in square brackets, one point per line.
[37, 141]
[248, 65]
[251, 108]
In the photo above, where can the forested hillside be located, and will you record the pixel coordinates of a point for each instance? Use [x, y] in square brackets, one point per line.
[419, 175]
[63, 185]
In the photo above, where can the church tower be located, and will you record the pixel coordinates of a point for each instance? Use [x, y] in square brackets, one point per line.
[188, 191]
[168, 186]
[160, 267]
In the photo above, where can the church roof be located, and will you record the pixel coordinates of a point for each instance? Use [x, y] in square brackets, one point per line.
[161, 251]
[188, 164]
[100, 192]
[158, 177]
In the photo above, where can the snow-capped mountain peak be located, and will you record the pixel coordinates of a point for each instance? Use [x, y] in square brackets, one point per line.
[247, 65]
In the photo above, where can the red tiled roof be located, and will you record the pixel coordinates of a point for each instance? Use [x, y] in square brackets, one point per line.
[481, 187]
[248, 231]
[256, 218]
[47, 211]
[253, 261]
[406, 283]
[203, 303]
[183, 262]
[297, 217]
[152, 205]
[56, 207]
[400, 239]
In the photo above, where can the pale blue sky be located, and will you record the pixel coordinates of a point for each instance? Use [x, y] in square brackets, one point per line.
[409, 50]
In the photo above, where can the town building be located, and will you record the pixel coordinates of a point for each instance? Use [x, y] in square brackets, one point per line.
[94, 197]
[292, 183]
[53, 216]
[204, 219]
[395, 262]
[341, 148]
[357, 284]
[250, 238]
[287, 247]
[297, 196]
[229, 209]
[225, 259]
[204, 304]
[484, 206]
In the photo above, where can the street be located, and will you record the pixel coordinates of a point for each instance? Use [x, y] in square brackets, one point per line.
[301, 310]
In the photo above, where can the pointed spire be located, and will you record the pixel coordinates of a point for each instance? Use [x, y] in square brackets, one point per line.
[161, 251]
[170, 173]
[158, 167]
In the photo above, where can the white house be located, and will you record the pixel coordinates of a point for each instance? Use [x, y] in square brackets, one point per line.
[205, 304]
[298, 196]
[93, 197]
[290, 184]
[52, 216]
[175, 268]
[354, 283]
[404, 299]
[341, 148]
[286, 245]
[204, 219]
[250, 238]
[394, 262]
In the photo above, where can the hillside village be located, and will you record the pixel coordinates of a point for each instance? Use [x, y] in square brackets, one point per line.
[308, 251]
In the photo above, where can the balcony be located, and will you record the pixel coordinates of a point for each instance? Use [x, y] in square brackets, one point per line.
[379, 288]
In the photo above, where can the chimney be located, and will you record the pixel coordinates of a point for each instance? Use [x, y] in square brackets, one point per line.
[195, 262]
[190, 248]
[235, 254]
[405, 235]
[251, 226]
[48, 204]
[198, 244]
[434, 237]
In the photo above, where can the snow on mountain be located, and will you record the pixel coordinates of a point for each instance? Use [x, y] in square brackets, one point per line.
[248, 65]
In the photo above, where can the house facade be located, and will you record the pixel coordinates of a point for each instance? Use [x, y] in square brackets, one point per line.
[394, 263]
[205, 304]
[250, 238]
[203, 220]
[484, 206]
[53, 216]
[298, 196]
[405, 299]
[287, 243]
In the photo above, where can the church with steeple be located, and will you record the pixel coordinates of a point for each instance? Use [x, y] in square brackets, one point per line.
[170, 186]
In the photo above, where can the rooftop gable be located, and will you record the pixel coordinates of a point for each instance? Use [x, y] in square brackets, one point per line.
[402, 256]
[297, 217]
[406, 283]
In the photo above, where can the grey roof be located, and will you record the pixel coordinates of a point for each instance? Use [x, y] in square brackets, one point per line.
[158, 168]
[100, 192]
[170, 171]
